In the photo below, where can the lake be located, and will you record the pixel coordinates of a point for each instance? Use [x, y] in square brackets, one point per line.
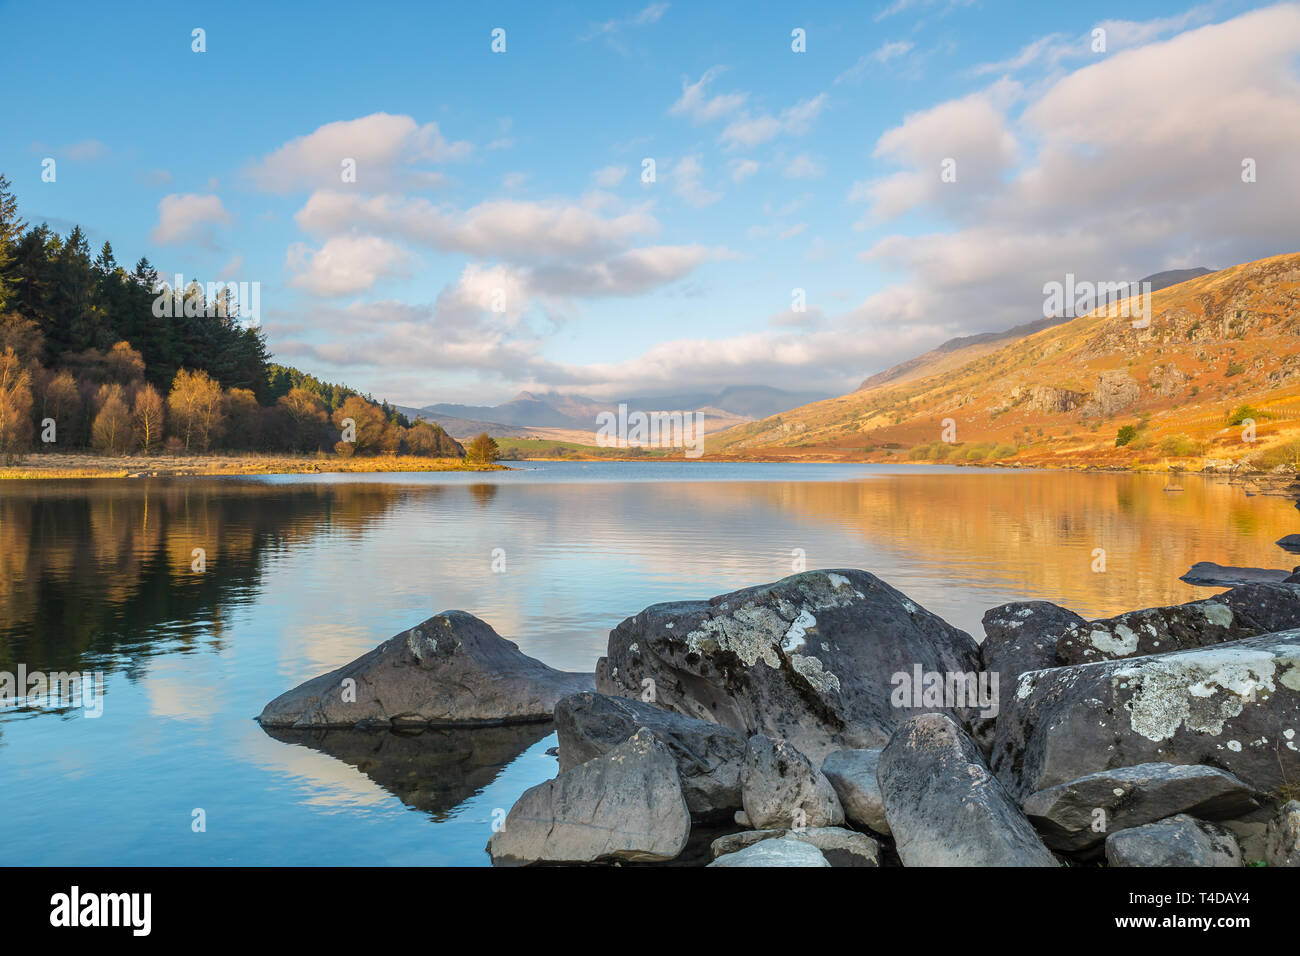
[303, 573]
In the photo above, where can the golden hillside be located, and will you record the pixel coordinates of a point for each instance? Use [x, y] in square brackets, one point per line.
[1216, 350]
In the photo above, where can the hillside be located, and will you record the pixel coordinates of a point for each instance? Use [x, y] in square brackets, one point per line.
[1060, 395]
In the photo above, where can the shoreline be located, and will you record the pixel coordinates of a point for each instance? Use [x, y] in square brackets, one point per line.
[56, 466]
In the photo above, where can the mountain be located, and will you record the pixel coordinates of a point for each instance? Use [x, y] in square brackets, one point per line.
[1059, 394]
[956, 351]
[578, 413]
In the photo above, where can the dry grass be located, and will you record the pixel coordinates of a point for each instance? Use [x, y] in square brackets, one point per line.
[96, 466]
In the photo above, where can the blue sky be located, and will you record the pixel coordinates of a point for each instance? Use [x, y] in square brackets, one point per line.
[499, 235]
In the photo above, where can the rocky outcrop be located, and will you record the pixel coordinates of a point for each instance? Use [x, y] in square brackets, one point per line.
[1177, 841]
[853, 775]
[1224, 706]
[626, 804]
[1282, 839]
[1021, 636]
[943, 805]
[1114, 391]
[810, 659]
[781, 789]
[453, 669]
[1209, 574]
[1078, 815]
[708, 756]
[1156, 630]
[840, 847]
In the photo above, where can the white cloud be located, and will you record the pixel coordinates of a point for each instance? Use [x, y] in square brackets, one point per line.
[803, 166]
[346, 265]
[742, 169]
[685, 177]
[748, 130]
[609, 176]
[696, 104]
[189, 217]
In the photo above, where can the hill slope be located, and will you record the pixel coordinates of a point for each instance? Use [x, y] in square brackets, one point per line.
[1060, 394]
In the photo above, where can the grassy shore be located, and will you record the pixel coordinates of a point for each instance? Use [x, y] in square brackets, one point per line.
[136, 466]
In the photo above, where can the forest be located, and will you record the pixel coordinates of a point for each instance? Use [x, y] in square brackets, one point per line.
[89, 361]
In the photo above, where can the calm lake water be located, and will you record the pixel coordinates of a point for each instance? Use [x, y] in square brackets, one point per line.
[304, 573]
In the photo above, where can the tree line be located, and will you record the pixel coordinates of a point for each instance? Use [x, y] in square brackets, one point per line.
[87, 361]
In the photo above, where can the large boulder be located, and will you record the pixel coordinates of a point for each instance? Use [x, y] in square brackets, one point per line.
[1269, 607]
[709, 756]
[775, 853]
[943, 805]
[841, 847]
[1282, 839]
[1021, 636]
[1289, 542]
[1224, 706]
[626, 804]
[782, 790]
[453, 669]
[853, 775]
[1177, 841]
[1209, 574]
[813, 659]
[1077, 815]
[1155, 630]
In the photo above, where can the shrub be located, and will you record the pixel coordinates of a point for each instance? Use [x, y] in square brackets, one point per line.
[1125, 435]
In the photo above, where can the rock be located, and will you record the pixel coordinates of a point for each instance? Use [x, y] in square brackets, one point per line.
[1290, 542]
[1065, 815]
[810, 659]
[741, 819]
[840, 847]
[944, 807]
[1223, 706]
[1209, 574]
[1115, 391]
[451, 670]
[1269, 607]
[1178, 841]
[1282, 839]
[853, 775]
[1021, 636]
[709, 756]
[1155, 630]
[775, 853]
[626, 804]
[782, 790]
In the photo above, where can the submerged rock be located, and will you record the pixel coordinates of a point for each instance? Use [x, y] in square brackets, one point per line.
[775, 853]
[853, 775]
[453, 669]
[841, 847]
[1155, 630]
[1077, 815]
[1235, 706]
[1177, 841]
[626, 804]
[1290, 542]
[782, 790]
[708, 756]
[943, 805]
[1209, 574]
[811, 659]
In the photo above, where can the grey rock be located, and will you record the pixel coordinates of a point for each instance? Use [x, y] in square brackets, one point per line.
[1282, 839]
[1077, 815]
[626, 804]
[853, 775]
[1269, 607]
[775, 853]
[781, 789]
[841, 847]
[1021, 636]
[1209, 574]
[1155, 630]
[1178, 841]
[809, 658]
[453, 669]
[709, 756]
[1290, 542]
[1223, 706]
[943, 805]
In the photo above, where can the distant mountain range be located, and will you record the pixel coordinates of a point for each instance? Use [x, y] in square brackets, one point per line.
[552, 409]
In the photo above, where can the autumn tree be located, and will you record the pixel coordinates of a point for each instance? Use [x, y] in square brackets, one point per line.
[423, 438]
[243, 418]
[483, 450]
[371, 431]
[59, 399]
[147, 419]
[196, 408]
[307, 417]
[111, 432]
[15, 404]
